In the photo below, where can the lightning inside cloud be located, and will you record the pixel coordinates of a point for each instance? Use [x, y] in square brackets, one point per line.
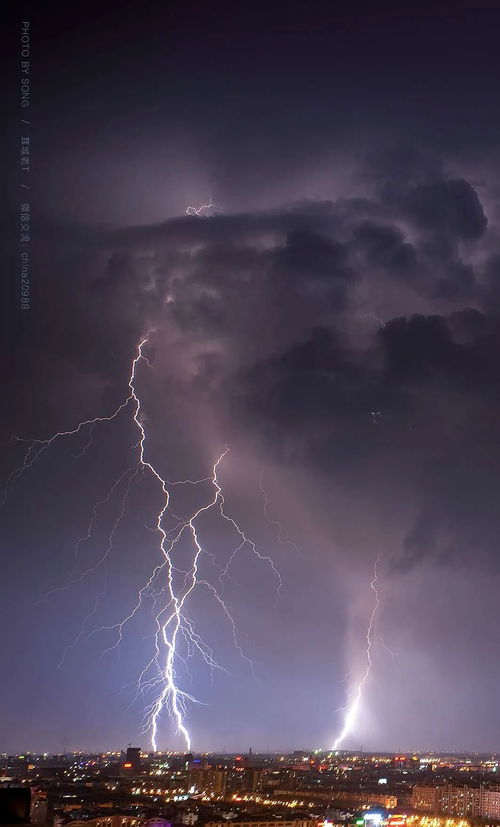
[203, 209]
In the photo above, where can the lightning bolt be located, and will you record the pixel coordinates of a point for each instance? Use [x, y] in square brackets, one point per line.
[173, 626]
[273, 521]
[375, 318]
[352, 707]
[76, 577]
[390, 652]
[203, 209]
[36, 447]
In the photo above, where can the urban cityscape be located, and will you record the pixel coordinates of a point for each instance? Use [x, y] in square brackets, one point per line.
[300, 789]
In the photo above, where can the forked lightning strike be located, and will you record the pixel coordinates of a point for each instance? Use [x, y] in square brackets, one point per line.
[353, 706]
[173, 626]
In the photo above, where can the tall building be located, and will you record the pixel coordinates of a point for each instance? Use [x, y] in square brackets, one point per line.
[451, 800]
[208, 780]
[424, 799]
[252, 779]
[490, 802]
[132, 763]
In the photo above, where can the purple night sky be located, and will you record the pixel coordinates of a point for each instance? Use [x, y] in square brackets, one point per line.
[333, 319]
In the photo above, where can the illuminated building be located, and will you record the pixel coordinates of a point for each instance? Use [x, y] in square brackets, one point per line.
[457, 800]
[490, 802]
[448, 799]
[110, 821]
[296, 823]
[132, 763]
[425, 799]
[210, 781]
[252, 779]
[397, 820]
[347, 797]
[371, 819]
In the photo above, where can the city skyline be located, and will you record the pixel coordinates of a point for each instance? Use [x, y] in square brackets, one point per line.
[130, 788]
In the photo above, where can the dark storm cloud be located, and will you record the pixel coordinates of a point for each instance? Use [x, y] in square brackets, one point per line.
[274, 305]
[321, 395]
[294, 269]
[305, 261]
[335, 321]
[383, 246]
[449, 207]
[492, 282]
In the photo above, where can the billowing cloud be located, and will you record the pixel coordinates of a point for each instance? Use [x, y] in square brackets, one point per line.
[344, 348]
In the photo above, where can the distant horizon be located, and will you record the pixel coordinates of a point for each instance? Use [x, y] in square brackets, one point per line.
[266, 751]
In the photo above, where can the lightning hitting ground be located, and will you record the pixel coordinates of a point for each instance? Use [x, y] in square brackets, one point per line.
[169, 587]
[352, 708]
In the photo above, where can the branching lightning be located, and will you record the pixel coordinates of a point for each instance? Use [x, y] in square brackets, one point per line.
[168, 586]
[390, 652]
[352, 708]
[273, 521]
